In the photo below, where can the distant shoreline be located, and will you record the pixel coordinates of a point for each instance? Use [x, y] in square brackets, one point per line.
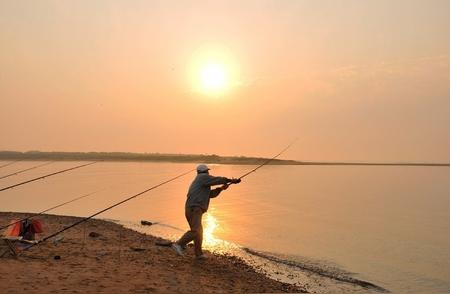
[184, 158]
[140, 157]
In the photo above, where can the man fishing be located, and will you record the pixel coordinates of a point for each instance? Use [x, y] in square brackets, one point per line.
[197, 203]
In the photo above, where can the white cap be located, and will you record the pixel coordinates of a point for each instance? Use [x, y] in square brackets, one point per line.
[202, 168]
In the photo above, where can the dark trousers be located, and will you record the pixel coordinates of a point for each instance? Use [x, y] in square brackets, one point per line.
[194, 218]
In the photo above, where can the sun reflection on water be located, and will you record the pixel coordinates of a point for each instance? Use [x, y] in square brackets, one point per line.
[210, 226]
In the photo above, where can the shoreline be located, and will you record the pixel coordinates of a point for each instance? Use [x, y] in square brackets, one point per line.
[12, 157]
[138, 157]
[122, 260]
[315, 276]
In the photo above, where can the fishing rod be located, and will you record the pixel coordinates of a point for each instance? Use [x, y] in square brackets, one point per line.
[27, 169]
[106, 209]
[267, 161]
[46, 176]
[49, 209]
[9, 163]
[253, 170]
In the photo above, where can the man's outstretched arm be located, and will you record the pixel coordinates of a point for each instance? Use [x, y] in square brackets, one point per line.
[214, 181]
[215, 192]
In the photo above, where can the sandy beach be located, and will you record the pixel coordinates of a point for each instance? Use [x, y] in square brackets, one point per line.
[121, 260]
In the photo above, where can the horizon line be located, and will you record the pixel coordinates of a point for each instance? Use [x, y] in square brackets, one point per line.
[210, 158]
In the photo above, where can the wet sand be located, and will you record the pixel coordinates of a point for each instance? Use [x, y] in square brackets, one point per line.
[121, 260]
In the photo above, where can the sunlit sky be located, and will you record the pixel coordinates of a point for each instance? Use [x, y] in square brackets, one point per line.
[353, 80]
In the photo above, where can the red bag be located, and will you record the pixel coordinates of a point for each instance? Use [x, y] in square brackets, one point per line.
[37, 226]
[14, 230]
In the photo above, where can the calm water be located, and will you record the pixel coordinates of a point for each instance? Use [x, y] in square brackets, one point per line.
[388, 225]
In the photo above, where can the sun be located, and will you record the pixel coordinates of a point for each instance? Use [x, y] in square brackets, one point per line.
[213, 77]
[212, 71]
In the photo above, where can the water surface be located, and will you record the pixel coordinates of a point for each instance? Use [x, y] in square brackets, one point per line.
[388, 225]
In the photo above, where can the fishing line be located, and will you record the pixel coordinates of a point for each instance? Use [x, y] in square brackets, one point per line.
[51, 208]
[57, 206]
[108, 208]
[46, 176]
[9, 163]
[27, 169]
[267, 161]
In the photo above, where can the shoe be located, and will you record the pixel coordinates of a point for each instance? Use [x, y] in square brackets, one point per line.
[177, 248]
[201, 257]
